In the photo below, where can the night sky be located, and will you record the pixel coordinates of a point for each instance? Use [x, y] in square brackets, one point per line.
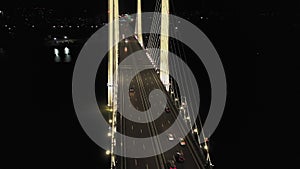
[94, 5]
[259, 56]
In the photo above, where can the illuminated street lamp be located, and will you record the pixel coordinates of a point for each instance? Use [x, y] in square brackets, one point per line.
[107, 152]
[205, 147]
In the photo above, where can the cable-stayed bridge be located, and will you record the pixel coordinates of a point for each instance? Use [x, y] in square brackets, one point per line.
[188, 153]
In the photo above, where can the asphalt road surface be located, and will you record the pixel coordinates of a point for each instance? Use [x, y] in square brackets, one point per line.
[143, 83]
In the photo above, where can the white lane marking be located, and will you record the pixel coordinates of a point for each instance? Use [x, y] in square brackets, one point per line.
[141, 130]
[135, 162]
[131, 127]
[144, 147]
[147, 167]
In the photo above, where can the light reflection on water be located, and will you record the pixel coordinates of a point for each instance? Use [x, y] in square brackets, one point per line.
[57, 58]
[66, 57]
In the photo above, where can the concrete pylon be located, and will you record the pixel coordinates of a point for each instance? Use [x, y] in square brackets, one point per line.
[113, 54]
[113, 57]
[138, 26]
[164, 44]
[110, 53]
[116, 53]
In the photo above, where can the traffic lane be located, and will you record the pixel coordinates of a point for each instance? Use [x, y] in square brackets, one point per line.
[147, 85]
[136, 129]
[161, 127]
[170, 154]
[140, 130]
[144, 61]
[190, 158]
[162, 123]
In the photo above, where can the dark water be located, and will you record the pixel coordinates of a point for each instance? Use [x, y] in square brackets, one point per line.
[54, 137]
[66, 142]
[69, 145]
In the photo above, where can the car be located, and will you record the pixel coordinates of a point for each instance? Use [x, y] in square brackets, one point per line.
[126, 40]
[170, 137]
[182, 142]
[171, 164]
[131, 91]
[179, 157]
[167, 109]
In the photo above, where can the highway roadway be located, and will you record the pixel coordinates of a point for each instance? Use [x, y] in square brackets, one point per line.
[143, 83]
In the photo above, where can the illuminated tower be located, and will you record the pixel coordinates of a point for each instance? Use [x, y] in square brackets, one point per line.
[138, 26]
[110, 53]
[113, 56]
[113, 37]
[116, 54]
[164, 44]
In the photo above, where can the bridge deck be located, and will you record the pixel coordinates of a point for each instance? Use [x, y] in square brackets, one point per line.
[145, 82]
